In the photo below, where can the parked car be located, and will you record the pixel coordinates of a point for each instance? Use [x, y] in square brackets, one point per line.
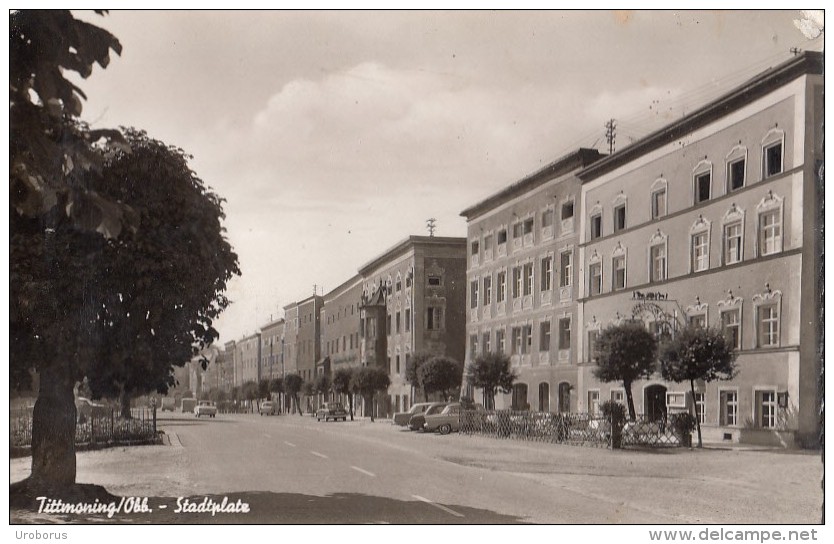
[267, 407]
[85, 408]
[205, 408]
[417, 420]
[331, 410]
[448, 419]
[402, 418]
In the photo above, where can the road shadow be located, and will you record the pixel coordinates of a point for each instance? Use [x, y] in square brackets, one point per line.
[266, 507]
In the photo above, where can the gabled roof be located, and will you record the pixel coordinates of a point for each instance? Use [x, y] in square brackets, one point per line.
[561, 166]
[808, 62]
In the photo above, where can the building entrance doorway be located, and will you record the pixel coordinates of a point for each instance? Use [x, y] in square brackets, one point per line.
[520, 397]
[654, 402]
[564, 397]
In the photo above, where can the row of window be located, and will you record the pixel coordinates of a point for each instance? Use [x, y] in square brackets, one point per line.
[521, 339]
[345, 343]
[525, 228]
[765, 408]
[702, 184]
[769, 241]
[522, 280]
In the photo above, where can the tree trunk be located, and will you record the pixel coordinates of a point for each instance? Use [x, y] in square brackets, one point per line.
[695, 406]
[124, 403]
[350, 405]
[632, 415]
[370, 400]
[53, 430]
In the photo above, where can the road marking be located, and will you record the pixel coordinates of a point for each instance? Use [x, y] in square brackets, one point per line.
[289, 444]
[448, 510]
[317, 454]
[268, 435]
[363, 471]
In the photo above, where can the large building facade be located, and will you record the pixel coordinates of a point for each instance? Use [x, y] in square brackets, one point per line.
[713, 221]
[413, 298]
[522, 283]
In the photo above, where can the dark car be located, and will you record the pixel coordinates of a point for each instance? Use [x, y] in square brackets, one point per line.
[331, 410]
[402, 418]
[418, 420]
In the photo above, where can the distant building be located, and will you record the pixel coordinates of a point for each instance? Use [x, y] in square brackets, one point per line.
[272, 345]
[247, 359]
[522, 283]
[290, 345]
[413, 298]
[713, 220]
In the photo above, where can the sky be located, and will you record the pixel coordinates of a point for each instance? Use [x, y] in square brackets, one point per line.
[333, 135]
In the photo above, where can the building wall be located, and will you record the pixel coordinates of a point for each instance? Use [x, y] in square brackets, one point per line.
[715, 285]
[247, 359]
[549, 252]
[308, 339]
[340, 325]
[290, 352]
[272, 342]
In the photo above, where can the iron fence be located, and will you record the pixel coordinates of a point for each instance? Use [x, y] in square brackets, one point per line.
[106, 426]
[573, 429]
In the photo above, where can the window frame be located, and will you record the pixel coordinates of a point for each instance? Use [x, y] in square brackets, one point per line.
[658, 241]
[703, 170]
[737, 154]
[659, 188]
[774, 137]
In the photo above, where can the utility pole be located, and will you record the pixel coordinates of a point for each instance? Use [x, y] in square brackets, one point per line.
[431, 224]
[610, 134]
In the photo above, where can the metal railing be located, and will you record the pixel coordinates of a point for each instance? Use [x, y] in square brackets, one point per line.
[573, 429]
[106, 426]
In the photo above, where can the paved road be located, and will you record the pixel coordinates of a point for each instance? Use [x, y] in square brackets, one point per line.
[298, 470]
[292, 469]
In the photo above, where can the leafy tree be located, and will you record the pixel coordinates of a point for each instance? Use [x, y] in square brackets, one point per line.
[626, 353]
[263, 389]
[368, 381]
[47, 144]
[491, 372]
[417, 360]
[276, 385]
[321, 385]
[76, 288]
[440, 374]
[249, 392]
[341, 386]
[697, 353]
[292, 385]
[151, 270]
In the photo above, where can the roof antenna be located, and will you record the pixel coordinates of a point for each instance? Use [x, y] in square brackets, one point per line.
[610, 134]
[431, 224]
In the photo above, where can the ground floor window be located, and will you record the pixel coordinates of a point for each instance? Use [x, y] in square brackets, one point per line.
[729, 408]
[593, 403]
[564, 397]
[766, 409]
[520, 397]
[701, 407]
[544, 397]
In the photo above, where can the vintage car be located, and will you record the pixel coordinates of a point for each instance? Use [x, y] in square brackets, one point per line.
[402, 418]
[267, 408]
[331, 410]
[417, 420]
[205, 408]
[448, 419]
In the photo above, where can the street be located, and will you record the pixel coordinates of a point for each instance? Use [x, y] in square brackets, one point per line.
[292, 469]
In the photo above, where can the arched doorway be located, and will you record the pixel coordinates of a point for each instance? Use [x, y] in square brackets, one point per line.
[544, 397]
[654, 402]
[564, 397]
[520, 397]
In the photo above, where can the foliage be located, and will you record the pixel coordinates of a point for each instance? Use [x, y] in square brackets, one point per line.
[308, 388]
[368, 381]
[47, 144]
[491, 372]
[249, 390]
[188, 395]
[440, 374]
[612, 410]
[625, 353]
[682, 423]
[292, 385]
[341, 385]
[321, 384]
[263, 389]
[276, 385]
[412, 367]
[697, 353]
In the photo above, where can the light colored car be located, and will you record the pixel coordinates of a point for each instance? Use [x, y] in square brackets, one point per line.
[331, 410]
[417, 420]
[402, 418]
[448, 419]
[205, 408]
[267, 408]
